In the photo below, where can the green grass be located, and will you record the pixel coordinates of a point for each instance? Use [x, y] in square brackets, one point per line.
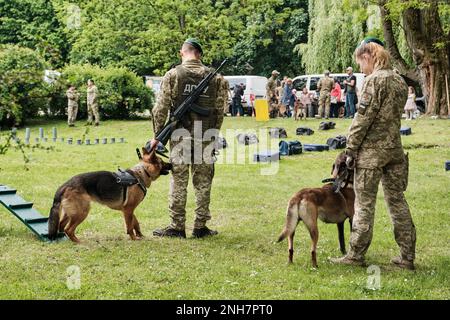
[248, 209]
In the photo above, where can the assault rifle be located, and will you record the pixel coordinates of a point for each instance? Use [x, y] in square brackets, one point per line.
[189, 104]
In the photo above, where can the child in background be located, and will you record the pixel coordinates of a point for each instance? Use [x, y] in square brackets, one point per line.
[410, 105]
[306, 102]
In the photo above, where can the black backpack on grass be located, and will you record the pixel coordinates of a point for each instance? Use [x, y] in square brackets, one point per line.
[288, 148]
[303, 131]
[326, 125]
[339, 142]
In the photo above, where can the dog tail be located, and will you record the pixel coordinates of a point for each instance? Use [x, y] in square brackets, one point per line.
[291, 221]
[53, 219]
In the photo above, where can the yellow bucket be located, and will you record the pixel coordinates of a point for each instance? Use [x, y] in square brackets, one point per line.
[261, 110]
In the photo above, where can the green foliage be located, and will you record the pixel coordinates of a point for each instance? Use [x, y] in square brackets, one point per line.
[273, 28]
[33, 24]
[22, 88]
[335, 30]
[145, 36]
[121, 92]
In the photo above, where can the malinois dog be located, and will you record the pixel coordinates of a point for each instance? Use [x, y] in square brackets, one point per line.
[333, 203]
[122, 191]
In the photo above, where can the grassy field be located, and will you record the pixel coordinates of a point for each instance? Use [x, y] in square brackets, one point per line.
[248, 208]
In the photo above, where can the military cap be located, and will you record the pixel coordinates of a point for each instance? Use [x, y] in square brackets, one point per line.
[275, 72]
[195, 43]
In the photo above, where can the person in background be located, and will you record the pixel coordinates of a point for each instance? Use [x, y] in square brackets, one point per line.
[238, 92]
[286, 97]
[92, 103]
[271, 93]
[335, 99]
[410, 105]
[306, 102]
[325, 85]
[350, 93]
[72, 105]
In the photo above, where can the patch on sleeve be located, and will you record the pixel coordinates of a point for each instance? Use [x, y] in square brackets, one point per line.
[366, 98]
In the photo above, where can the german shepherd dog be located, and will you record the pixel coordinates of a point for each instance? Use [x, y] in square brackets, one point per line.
[333, 203]
[72, 200]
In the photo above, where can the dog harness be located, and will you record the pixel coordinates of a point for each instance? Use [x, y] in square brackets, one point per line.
[127, 179]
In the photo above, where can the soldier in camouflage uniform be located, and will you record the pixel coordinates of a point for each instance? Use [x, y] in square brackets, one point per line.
[92, 103]
[325, 86]
[72, 105]
[271, 93]
[374, 148]
[175, 87]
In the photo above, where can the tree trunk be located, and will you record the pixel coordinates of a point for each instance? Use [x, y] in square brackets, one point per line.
[423, 30]
[391, 46]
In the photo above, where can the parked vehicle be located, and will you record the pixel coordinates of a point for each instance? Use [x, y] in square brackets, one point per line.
[254, 88]
[154, 83]
[310, 82]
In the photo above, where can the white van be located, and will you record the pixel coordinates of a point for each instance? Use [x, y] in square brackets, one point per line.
[310, 82]
[255, 88]
[154, 83]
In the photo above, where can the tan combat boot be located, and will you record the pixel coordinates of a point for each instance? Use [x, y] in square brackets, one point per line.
[403, 263]
[348, 261]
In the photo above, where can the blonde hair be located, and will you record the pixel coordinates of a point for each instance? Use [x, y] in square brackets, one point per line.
[380, 56]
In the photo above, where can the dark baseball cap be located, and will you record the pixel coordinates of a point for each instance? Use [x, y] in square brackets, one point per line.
[372, 39]
[195, 43]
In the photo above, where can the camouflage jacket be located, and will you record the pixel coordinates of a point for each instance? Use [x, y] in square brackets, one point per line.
[72, 97]
[325, 85]
[375, 129]
[271, 88]
[169, 89]
[92, 95]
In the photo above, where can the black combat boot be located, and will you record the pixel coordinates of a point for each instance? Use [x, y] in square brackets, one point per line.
[169, 232]
[203, 232]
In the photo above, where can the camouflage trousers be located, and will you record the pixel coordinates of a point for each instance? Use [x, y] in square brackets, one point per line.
[92, 109]
[324, 102]
[72, 111]
[394, 183]
[202, 176]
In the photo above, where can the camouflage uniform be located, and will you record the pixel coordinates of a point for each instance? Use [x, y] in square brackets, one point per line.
[72, 106]
[325, 86]
[374, 140]
[174, 88]
[271, 94]
[92, 104]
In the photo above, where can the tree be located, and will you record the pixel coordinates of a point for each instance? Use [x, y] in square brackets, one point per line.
[33, 24]
[22, 88]
[145, 35]
[272, 30]
[428, 39]
[335, 29]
